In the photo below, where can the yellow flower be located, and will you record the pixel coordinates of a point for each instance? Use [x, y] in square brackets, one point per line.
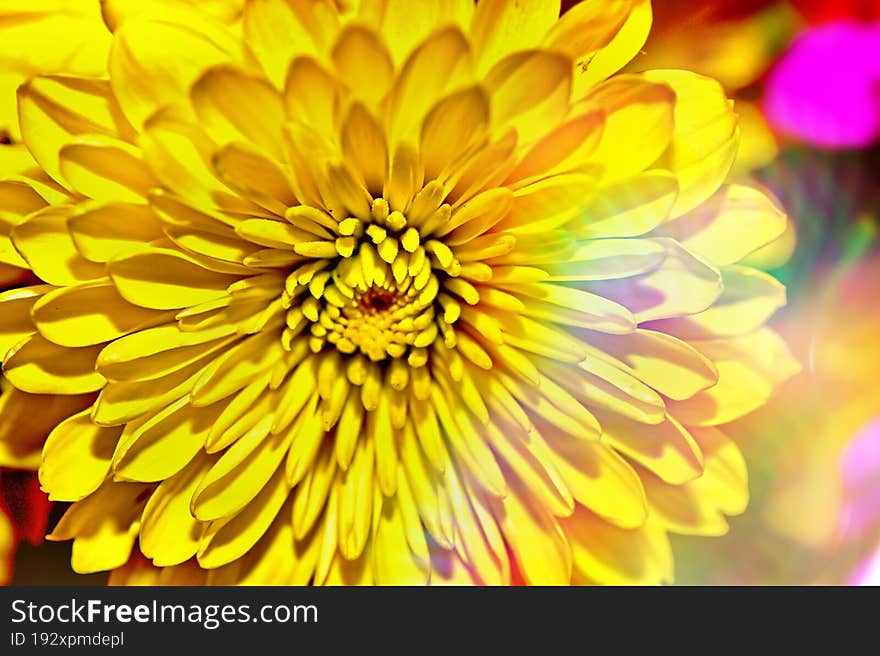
[387, 292]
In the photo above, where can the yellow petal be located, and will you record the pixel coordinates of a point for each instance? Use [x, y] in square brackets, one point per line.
[311, 493]
[154, 352]
[49, 36]
[120, 402]
[566, 148]
[276, 558]
[734, 223]
[699, 507]
[672, 367]
[153, 63]
[161, 446]
[394, 563]
[102, 232]
[40, 367]
[405, 25]
[103, 526]
[609, 555]
[705, 137]
[549, 203]
[600, 479]
[500, 27]
[234, 106]
[169, 534]
[629, 208]
[106, 169]
[530, 92]
[116, 12]
[477, 546]
[17, 201]
[278, 30]
[241, 475]
[45, 242]
[750, 298]
[538, 543]
[320, 107]
[15, 314]
[54, 109]
[363, 63]
[237, 367]
[219, 243]
[15, 158]
[607, 259]
[596, 383]
[254, 176]
[626, 44]
[76, 458]
[749, 367]
[180, 153]
[667, 449]
[364, 146]
[428, 72]
[538, 475]
[696, 286]
[89, 314]
[476, 216]
[638, 125]
[576, 307]
[165, 280]
[356, 490]
[586, 28]
[450, 127]
[759, 145]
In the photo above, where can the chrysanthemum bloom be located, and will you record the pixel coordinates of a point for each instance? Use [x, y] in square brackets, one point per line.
[388, 292]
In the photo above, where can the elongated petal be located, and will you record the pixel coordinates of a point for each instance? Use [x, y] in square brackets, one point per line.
[103, 526]
[105, 231]
[749, 367]
[705, 138]
[501, 27]
[54, 109]
[734, 223]
[609, 555]
[169, 534]
[165, 280]
[45, 243]
[106, 169]
[153, 63]
[40, 367]
[76, 458]
[89, 314]
[234, 106]
[278, 30]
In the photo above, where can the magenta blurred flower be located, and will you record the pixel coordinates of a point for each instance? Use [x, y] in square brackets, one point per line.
[861, 514]
[861, 479]
[826, 89]
[868, 573]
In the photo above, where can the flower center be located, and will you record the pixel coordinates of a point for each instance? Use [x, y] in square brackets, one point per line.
[377, 289]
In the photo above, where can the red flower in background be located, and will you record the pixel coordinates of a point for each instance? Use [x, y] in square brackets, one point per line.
[24, 511]
[822, 11]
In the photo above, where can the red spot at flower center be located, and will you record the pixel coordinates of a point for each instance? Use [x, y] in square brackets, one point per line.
[378, 300]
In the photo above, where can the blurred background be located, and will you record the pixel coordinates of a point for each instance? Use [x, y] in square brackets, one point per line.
[805, 76]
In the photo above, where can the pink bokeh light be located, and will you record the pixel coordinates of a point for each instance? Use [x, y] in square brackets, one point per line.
[826, 89]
